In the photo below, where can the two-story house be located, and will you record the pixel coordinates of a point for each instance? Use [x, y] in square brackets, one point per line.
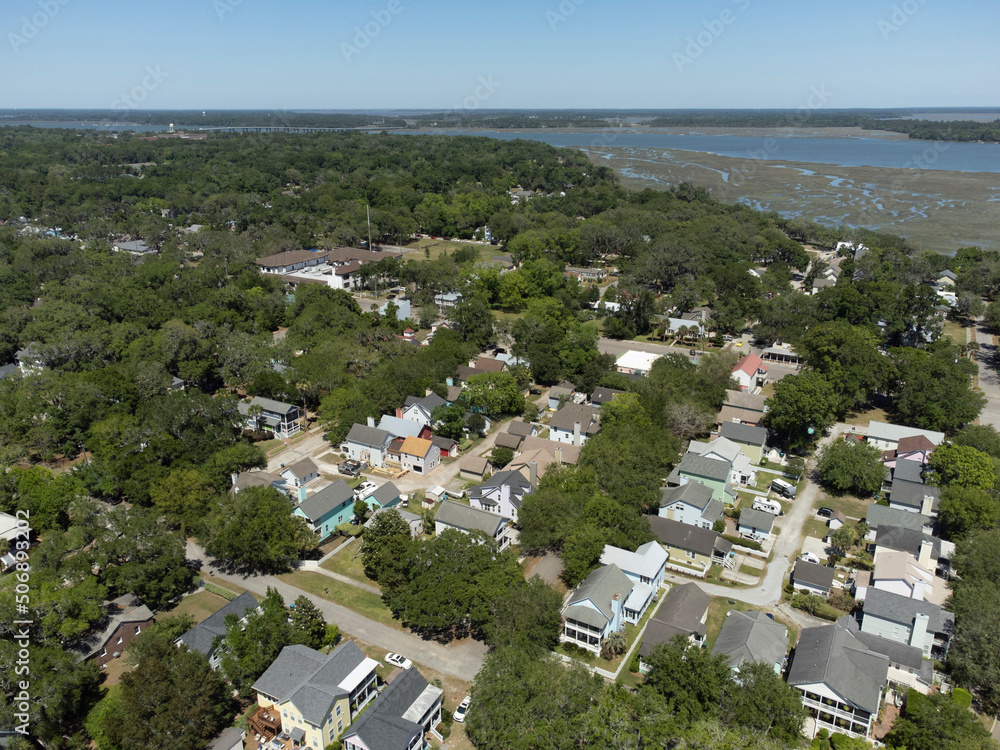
[369, 444]
[683, 612]
[908, 575]
[751, 440]
[690, 503]
[574, 423]
[420, 409]
[646, 565]
[328, 508]
[840, 678]
[915, 622]
[300, 473]
[755, 524]
[452, 515]
[714, 474]
[407, 710]
[267, 414]
[127, 619]
[601, 605]
[502, 494]
[419, 456]
[317, 695]
[404, 428]
[741, 470]
[750, 373]
[886, 436]
[202, 637]
[691, 546]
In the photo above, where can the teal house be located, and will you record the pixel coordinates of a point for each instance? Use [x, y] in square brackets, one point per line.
[328, 508]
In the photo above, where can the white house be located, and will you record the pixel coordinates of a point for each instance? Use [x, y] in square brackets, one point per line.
[690, 503]
[502, 494]
[741, 469]
[300, 473]
[636, 363]
[840, 679]
[646, 565]
[409, 709]
[750, 372]
[420, 409]
[419, 456]
[574, 423]
[368, 444]
[886, 436]
[755, 524]
[812, 578]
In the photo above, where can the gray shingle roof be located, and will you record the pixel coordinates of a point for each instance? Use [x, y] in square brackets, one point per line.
[694, 494]
[469, 519]
[600, 587]
[7, 371]
[907, 540]
[683, 536]
[910, 471]
[386, 493]
[364, 435]
[684, 607]
[200, 637]
[897, 653]
[382, 727]
[124, 609]
[694, 465]
[520, 427]
[911, 494]
[603, 395]
[303, 468]
[751, 637]
[566, 418]
[269, 404]
[757, 519]
[743, 433]
[819, 576]
[745, 400]
[902, 609]
[309, 679]
[508, 440]
[326, 500]
[831, 655]
[882, 515]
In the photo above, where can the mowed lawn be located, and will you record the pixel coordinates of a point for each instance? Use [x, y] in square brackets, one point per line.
[363, 602]
[346, 564]
[850, 506]
[200, 606]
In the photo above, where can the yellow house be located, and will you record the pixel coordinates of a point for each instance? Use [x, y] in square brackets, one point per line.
[315, 695]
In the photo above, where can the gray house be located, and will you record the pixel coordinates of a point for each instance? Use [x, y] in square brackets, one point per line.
[691, 503]
[756, 524]
[683, 612]
[201, 637]
[408, 709]
[452, 515]
[751, 637]
[913, 622]
[810, 578]
[368, 444]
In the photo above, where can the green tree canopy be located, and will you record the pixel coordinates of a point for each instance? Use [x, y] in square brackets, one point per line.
[962, 465]
[802, 408]
[851, 466]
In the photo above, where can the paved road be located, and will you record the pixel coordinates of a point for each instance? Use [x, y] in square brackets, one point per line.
[309, 447]
[989, 379]
[462, 660]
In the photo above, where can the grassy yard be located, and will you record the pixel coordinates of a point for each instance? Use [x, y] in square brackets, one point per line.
[363, 602]
[199, 606]
[346, 564]
[437, 248]
[751, 571]
[862, 418]
[816, 527]
[852, 507]
[235, 588]
[956, 330]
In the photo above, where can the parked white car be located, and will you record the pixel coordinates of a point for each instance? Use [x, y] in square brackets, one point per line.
[398, 660]
[462, 710]
[809, 557]
[364, 489]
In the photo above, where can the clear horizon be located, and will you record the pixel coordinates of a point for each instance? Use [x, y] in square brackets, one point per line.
[555, 55]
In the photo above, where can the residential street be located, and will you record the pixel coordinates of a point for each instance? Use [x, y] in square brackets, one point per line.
[461, 660]
[989, 380]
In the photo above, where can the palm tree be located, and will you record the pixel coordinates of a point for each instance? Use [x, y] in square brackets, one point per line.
[254, 413]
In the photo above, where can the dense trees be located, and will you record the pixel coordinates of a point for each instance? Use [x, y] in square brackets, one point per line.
[255, 529]
[851, 466]
[941, 721]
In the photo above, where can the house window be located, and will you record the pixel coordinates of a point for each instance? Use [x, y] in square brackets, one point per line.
[895, 632]
[340, 726]
[690, 555]
[138, 629]
[104, 652]
[119, 641]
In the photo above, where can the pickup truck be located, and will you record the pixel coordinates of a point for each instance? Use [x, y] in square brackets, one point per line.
[349, 468]
[364, 489]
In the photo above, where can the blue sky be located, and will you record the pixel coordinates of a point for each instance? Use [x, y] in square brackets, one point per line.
[331, 54]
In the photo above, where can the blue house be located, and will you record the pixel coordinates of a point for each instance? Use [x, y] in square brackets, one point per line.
[328, 508]
[386, 496]
[601, 605]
